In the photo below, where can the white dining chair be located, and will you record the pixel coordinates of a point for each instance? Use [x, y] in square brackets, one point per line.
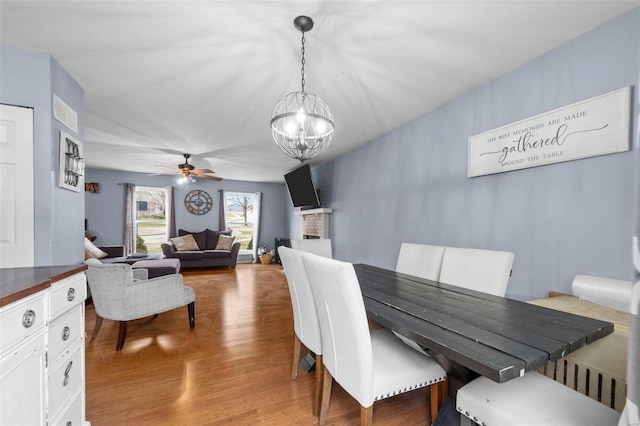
[615, 294]
[487, 271]
[369, 365]
[319, 246]
[420, 260]
[306, 327]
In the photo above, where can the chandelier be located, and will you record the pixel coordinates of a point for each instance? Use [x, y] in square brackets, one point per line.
[301, 123]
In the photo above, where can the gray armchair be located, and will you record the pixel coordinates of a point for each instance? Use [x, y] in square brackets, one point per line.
[122, 294]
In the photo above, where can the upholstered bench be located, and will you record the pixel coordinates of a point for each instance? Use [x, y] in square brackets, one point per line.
[158, 267]
[530, 400]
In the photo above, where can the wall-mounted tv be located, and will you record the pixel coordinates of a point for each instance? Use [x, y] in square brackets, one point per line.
[301, 188]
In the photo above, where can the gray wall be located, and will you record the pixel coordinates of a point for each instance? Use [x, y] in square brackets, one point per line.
[29, 79]
[559, 220]
[105, 210]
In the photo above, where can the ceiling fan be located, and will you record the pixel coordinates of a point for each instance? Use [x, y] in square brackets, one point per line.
[188, 170]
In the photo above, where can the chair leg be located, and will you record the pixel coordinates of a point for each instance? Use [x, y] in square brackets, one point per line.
[96, 328]
[122, 333]
[296, 357]
[327, 380]
[366, 415]
[317, 390]
[191, 307]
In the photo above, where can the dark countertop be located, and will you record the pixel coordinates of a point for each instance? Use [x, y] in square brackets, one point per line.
[17, 283]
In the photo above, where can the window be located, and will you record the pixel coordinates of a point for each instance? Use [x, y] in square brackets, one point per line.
[151, 219]
[240, 218]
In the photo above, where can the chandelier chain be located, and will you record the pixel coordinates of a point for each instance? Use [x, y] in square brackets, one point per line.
[303, 61]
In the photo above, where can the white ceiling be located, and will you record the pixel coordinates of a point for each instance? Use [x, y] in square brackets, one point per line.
[165, 77]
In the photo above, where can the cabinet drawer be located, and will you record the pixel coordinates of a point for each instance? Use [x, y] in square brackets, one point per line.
[67, 293]
[22, 319]
[72, 416]
[64, 379]
[64, 332]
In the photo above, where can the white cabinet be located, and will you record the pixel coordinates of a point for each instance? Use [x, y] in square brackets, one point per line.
[42, 370]
[23, 361]
[65, 347]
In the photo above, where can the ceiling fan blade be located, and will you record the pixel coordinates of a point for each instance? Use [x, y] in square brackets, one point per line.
[217, 179]
[196, 171]
[165, 167]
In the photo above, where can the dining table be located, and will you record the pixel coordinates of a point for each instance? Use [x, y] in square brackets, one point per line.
[496, 337]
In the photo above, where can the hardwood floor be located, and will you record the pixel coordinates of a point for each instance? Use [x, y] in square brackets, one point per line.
[232, 368]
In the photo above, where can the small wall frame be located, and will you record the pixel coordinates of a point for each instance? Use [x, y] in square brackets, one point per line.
[71, 163]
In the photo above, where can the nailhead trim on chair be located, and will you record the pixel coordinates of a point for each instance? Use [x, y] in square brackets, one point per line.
[419, 385]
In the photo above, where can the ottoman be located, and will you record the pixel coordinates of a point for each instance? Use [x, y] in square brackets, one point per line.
[159, 267]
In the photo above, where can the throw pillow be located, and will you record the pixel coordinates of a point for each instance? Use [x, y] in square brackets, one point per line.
[92, 252]
[185, 243]
[200, 237]
[225, 242]
[212, 238]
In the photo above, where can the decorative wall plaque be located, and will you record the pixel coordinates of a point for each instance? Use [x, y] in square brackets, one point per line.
[596, 126]
[71, 162]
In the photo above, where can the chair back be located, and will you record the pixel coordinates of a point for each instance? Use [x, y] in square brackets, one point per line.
[346, 342]
[487, 271]
[305, 317]
[631, 413]
[420, 260]
[319, 246]
[107, 283]
[615, 294]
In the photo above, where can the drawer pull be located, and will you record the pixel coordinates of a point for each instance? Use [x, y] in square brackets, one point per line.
[71, 294]
[29, 318]
[65, 333]
[65, 382]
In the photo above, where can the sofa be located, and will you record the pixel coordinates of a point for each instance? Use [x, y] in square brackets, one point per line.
[211, 249]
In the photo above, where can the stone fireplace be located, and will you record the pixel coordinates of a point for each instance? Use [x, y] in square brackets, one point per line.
[314, 223]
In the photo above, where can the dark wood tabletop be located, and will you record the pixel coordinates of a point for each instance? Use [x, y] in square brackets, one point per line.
[17, 283]
[494, 336]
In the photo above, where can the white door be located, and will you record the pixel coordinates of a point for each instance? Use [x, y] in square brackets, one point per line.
[16, 187]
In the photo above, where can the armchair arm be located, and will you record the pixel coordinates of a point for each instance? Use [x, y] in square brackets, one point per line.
[235, 248]
[168, 249]
[140, 274]
[113, 251]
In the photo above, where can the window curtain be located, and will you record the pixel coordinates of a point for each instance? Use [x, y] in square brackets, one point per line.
[171, 212]
[257, 201]
[129, 218]
[222, 220]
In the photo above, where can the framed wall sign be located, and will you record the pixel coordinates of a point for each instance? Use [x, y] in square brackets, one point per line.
[596, 126]
[71, 162]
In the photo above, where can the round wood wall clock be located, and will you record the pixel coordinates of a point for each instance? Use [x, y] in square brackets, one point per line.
[198, 202]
